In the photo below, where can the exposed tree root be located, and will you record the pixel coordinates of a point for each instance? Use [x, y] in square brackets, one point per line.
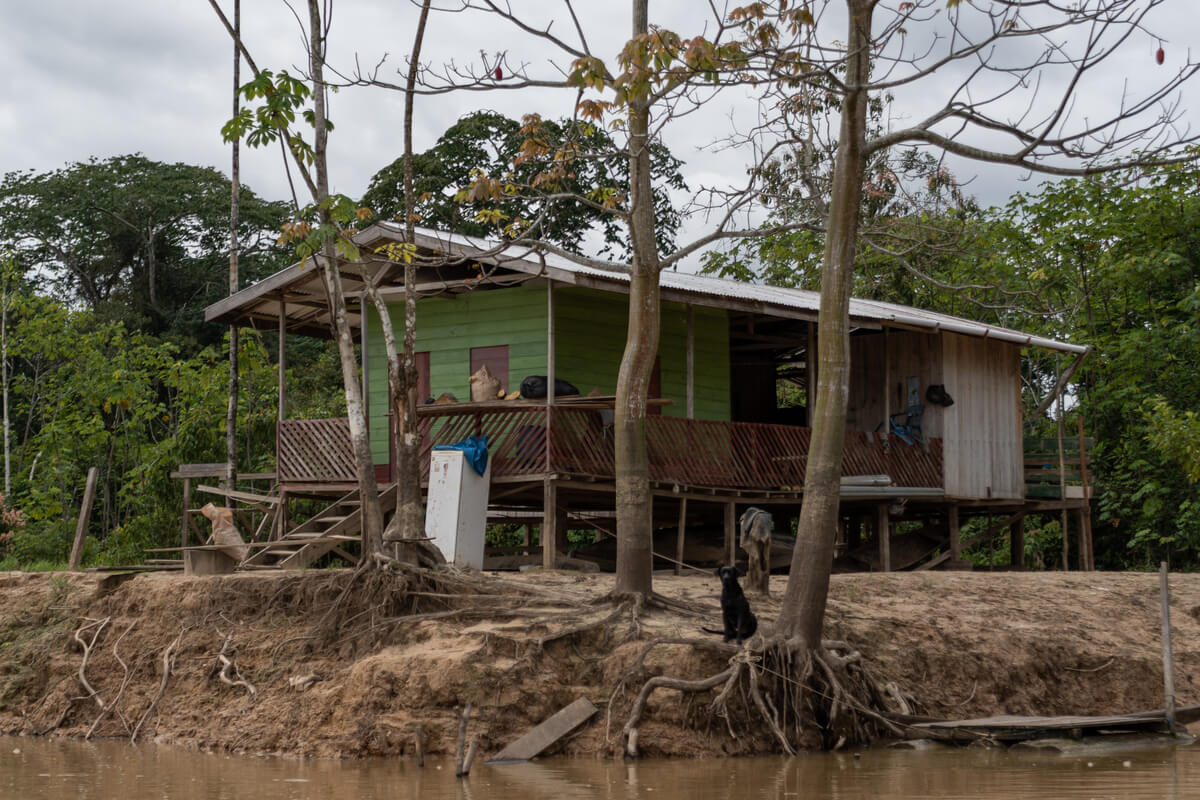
[114, 706]
[168, 664]
[228, 665]
[823, 697]
[98, 626]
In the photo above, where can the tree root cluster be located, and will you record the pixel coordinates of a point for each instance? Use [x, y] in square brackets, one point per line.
[807, 698]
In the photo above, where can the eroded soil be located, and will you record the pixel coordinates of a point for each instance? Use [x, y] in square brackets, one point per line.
[339, 679]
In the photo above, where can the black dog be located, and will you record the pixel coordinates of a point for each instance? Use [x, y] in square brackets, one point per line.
[740, 623]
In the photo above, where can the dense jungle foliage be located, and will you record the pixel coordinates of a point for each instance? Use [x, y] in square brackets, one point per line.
[108, 265]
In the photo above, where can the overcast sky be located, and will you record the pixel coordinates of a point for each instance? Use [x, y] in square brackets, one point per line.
[88, 79]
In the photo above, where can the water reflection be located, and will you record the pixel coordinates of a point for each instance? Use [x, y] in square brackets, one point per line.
[1128, 770]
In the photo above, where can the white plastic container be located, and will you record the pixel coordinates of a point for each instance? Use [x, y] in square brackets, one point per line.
[456, 514]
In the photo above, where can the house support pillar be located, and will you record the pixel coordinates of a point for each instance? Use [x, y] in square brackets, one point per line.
[282, 359]
[187, 504]
[680, 535]
[730, 533]
[955, 534]
[1016, 542]
[554, 525]
[885, 538]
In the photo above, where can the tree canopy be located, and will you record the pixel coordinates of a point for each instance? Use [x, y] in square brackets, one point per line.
[524, 186]
[137, 240]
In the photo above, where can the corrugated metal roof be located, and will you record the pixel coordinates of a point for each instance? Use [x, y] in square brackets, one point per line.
[307, 312]
[522, 258]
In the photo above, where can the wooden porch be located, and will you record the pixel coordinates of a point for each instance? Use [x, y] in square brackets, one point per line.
[528, 440]
[553, 467]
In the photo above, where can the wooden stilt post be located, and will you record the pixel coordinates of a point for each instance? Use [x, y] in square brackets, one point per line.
[730, 533]
[885, 539]
[810, 372]
[550, 378]
[1062, 488]
[679, 536]
[187, 504]
[1085, 519]
[282, 379]
[549, 524]
[955, 534]
[85, 515]
[561, 544]
[1168, 661]
[1016, 542]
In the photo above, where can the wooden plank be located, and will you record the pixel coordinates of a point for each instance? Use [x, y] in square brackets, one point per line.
[217, 471]
[187, 505]
[883, 528]
[85, 515]
[207, 562]
[680, 535]
[547, 733]
[247, 497]
[730, 533]
[550, 520]
[1018, 728]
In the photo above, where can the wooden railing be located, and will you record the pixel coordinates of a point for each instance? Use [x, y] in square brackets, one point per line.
[314, 451]
[735, 455]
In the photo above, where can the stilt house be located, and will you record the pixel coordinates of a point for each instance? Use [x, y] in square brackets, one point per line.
[934, 424]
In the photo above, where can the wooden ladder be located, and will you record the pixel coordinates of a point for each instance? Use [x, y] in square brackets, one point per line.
[327, 532]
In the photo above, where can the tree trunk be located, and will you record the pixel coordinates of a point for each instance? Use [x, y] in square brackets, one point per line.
[4, 377]
[372, 515]
[409, 512]
[803, 613]
[634, 503]
[235, 191]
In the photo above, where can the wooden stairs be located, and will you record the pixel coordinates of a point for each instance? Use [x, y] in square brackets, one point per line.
[327, 532]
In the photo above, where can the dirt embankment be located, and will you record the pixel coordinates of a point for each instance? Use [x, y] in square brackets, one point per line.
[360, 675]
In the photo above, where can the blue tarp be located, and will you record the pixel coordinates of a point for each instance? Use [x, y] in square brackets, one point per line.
[475, 450]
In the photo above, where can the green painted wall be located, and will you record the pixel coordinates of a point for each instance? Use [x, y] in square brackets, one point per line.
[591, 327]
[590, 331]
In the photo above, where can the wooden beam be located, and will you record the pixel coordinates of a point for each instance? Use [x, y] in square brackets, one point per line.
[1085, 511]
[549, 373]
[1016, 542]
[233, 494]
[883, 528]
[282, 358]
[679, 536]
[810, 371]
[85, 515]
[730, 533]
[187, 504]
[550, 521]
[955, 532]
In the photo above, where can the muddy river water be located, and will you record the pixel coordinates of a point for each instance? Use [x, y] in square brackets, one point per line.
[34, 768]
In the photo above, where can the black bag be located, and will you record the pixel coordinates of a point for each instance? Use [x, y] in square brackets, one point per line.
[534, 387]
[938, 395]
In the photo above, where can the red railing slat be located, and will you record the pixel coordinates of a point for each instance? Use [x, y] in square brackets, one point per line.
[708, 453]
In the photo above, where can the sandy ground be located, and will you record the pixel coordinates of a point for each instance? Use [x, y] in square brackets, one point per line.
[962, 644]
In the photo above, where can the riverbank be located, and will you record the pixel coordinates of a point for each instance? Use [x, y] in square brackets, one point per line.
[360, 673]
